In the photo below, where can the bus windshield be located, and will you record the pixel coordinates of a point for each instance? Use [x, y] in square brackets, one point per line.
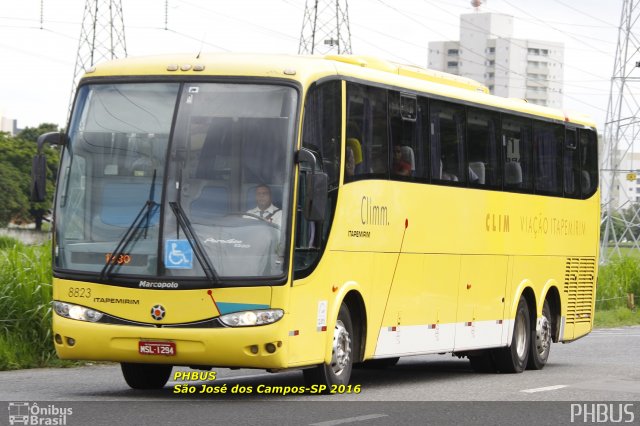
[174, 180]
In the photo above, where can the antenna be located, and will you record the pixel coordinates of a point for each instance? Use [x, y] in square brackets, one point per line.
[325, 28]
[101, 37]
[619, 166]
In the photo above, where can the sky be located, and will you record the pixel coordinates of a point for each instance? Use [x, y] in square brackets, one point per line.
[39, 40]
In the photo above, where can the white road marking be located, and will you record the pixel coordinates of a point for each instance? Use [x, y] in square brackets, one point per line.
[349, 420]
[544, 389]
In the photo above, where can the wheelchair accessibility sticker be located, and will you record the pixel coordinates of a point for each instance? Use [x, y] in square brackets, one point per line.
[178, 254]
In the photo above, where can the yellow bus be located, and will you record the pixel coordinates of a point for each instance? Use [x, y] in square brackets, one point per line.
[316, 213]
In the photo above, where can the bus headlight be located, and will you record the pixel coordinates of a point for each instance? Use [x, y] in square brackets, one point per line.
[249, 318]
[76, 312]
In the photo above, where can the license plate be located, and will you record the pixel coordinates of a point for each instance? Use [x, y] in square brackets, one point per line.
[157, 348]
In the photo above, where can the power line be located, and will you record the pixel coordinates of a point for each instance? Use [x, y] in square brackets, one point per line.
[559, 30]
[581, 12]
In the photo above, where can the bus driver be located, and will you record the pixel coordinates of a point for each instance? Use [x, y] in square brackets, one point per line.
[265, 208]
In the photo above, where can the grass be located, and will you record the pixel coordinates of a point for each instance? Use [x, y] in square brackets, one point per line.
[624, 252]
[25, 305]
[617, 317]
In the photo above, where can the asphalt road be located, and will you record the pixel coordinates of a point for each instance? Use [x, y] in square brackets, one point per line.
[593, 380]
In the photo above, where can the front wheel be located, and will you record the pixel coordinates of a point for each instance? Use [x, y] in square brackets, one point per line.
[513, 359]
[146, 376]
[541, 340]
[338, 371]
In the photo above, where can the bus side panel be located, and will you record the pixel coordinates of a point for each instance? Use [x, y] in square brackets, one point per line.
[420, 313]
[480, 319]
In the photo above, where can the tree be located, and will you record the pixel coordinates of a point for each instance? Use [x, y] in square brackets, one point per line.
[15, 179]
[14, 202]
[31, 133]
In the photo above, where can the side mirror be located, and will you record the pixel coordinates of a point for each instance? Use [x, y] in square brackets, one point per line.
[39, 166]
[39, 178]
[316, 201]
[316, 188]
[52, 138]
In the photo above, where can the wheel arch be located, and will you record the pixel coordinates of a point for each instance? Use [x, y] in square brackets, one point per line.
[555, 304]
[357, 309]
[530, 297]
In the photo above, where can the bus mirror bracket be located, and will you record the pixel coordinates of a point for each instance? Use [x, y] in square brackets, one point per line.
[39, 166]
[316, 187]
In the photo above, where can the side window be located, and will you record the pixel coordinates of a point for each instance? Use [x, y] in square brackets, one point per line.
[321, 127]
[588, 162]
[404, 121]
[571, 164]
[517, 153]
[320, 133]
[447, 125]
[422, 151]
[366, 133]
[547, 142]
[483, 148]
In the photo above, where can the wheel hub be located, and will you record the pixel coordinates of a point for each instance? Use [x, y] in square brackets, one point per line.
[341, 348]
[543, 335]
[521, 336]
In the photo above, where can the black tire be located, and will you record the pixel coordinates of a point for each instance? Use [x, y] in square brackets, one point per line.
[513, 359]
[338, 372]
[378, 364]
[541, 340]
[146, 376]
[483, 363]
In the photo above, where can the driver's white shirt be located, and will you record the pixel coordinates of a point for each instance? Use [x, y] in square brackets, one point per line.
[270, 214]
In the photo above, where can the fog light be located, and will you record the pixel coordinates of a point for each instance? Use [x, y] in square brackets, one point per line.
[270, 347]
[254, 349]
[71, 341]
[58, 339]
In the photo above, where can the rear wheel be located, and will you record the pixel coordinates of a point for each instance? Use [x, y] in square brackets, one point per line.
[146, 376]
[513, 359]
[338, 371]
[541, 340]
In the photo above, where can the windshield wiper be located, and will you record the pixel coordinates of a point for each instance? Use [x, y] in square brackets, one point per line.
[201, 255]
[143, 217]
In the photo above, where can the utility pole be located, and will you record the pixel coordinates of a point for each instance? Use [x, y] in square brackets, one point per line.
[325, 28]
[101, 37]
[619, 169]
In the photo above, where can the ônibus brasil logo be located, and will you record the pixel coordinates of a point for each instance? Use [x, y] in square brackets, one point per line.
[30, 413]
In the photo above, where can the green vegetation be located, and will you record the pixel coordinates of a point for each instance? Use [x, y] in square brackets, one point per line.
[15, 176]
[616, 280]
[25, 304]
[617, 317]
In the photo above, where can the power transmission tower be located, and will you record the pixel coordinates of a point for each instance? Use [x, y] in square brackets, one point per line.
[101, 36]
[619, 166]
[325, 28]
